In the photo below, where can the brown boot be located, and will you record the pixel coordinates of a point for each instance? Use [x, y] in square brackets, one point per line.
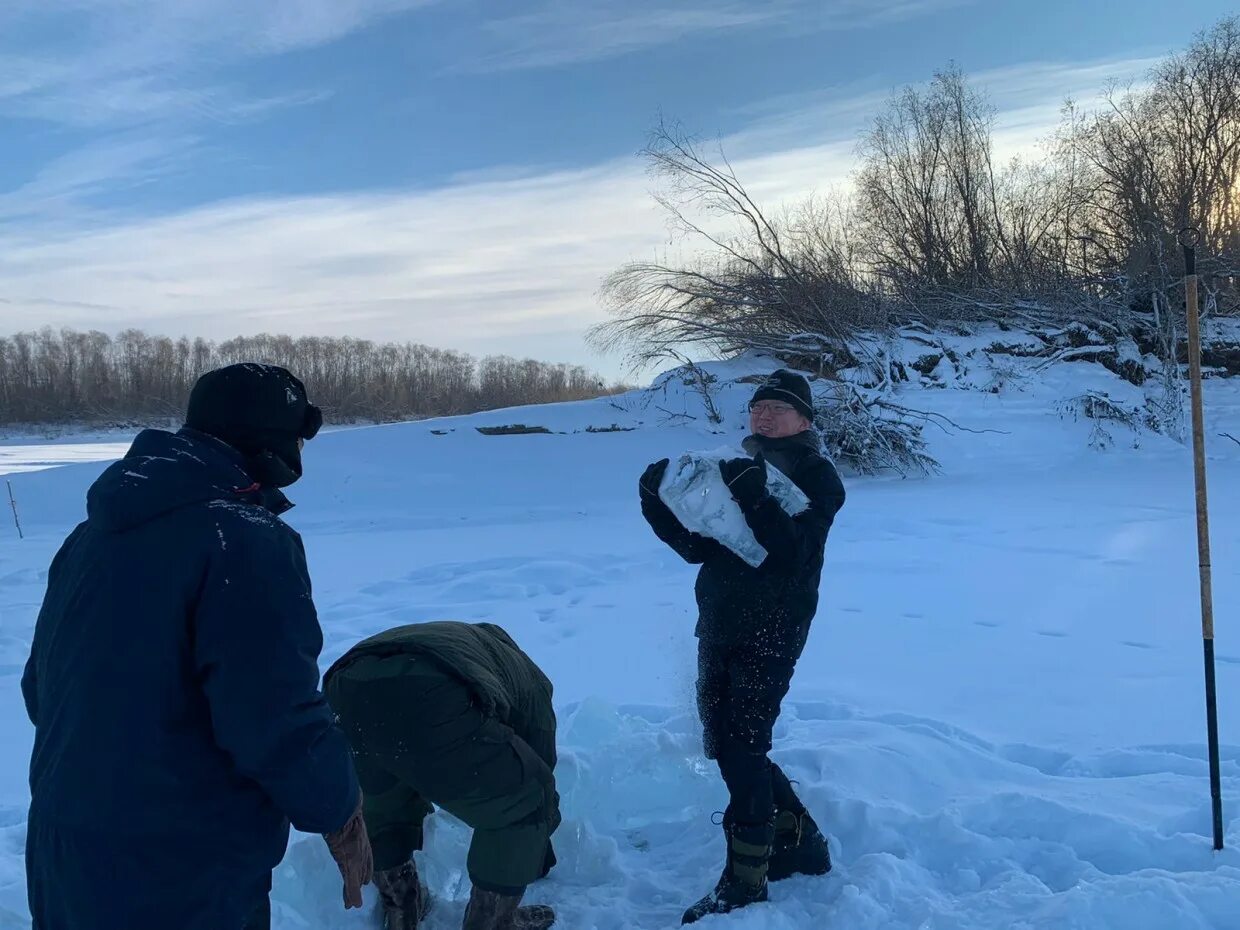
[405, 898]
[490, 911]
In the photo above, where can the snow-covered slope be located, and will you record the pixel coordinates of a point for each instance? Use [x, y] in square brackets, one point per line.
[998, 718]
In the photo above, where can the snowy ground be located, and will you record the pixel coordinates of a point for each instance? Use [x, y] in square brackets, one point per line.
[998, 718]
[20, 458]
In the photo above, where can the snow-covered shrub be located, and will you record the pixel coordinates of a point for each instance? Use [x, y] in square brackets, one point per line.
[1102, 411]
[868, 434]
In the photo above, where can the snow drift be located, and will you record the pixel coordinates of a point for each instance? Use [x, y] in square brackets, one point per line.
[998, 719]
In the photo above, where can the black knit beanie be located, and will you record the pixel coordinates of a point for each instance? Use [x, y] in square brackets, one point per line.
[259, 410]
[788, 387]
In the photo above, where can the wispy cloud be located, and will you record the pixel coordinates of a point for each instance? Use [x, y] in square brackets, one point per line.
[510, 259]
[111, 167]
[481, 266]
[99, 63]
[142, 80]
[490, 258]
[1030, 97]
[561, 32]
[1027, 97]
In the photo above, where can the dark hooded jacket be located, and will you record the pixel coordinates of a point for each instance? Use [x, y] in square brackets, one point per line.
[768, 608]
[483, 656]
[173, 683]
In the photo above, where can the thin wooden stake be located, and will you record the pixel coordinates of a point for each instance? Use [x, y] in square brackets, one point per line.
[13, 503]
[1189, 239]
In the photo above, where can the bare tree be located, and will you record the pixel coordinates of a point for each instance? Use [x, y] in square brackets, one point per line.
[926, 188]
[937, 231]
[1159, 158]
[785, 286]
[90, 377]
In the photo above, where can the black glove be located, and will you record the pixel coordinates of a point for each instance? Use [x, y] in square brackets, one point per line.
[746, 479]
[651, 478]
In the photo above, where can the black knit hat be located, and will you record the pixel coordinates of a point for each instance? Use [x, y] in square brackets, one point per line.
[788, 387]
[259, 410]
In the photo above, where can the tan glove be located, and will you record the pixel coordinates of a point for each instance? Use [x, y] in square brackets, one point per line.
[350, 847]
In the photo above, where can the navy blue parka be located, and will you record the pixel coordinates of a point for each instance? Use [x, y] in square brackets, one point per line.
[174, 688]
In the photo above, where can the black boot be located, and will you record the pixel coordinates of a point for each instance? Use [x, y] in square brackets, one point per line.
[405, 898]
[799, 847]
[744, 877]
[488, 910]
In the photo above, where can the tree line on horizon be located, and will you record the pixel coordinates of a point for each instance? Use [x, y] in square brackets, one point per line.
[67, 376]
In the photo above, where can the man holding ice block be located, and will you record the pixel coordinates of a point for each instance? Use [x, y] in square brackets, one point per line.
[753, 624]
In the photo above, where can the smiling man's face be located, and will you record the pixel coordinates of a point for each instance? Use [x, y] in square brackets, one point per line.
[776, 420]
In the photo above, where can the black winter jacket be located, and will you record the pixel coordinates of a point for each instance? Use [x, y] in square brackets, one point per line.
[173, 677]
[768, 608]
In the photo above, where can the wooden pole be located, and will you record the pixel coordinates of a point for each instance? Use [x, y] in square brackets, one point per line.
[1189, 239]
[13, 504]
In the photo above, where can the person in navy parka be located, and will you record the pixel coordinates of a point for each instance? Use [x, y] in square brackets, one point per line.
[173, 681]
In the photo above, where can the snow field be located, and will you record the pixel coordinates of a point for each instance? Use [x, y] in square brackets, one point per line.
[998, 719]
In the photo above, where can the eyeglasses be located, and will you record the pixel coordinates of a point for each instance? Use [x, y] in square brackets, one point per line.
[774, 408]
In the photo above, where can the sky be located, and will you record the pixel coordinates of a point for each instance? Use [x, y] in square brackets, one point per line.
[461, 173]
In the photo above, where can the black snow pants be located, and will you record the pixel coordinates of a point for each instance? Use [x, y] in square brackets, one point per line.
[739, 693]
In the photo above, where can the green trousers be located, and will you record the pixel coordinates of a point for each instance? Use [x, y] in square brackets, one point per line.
[421, 739]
